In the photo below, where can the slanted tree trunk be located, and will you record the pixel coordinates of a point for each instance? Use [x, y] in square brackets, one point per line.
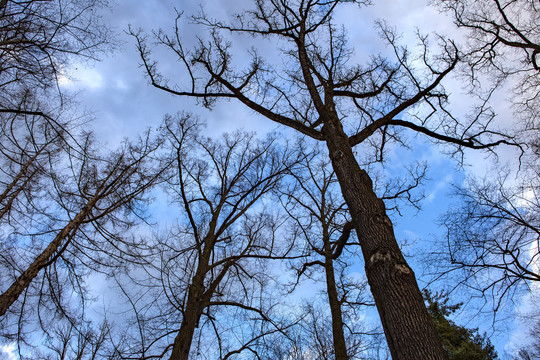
[15, 290]
[319, 74]
[409, 331]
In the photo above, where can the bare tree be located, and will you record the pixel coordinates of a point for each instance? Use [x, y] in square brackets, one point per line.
[85, 212]
[38, 41]
[65, 208]
[497, 27]
[322, 221]
[67, 341]
[210, 271]
[39, 38]
[504, 42]
[493, 234]
[311, 338]
[319, 93]
[29, 147]
[493, 229]
[323, 224]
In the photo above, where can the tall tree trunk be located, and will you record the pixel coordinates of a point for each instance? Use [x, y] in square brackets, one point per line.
[340, 347]
[195, 304]
[409, 331]
[15, 290]
[190, 320]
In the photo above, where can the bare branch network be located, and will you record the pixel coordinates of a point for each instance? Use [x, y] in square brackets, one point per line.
[249, 221]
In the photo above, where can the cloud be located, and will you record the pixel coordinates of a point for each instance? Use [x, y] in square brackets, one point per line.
[9, 351]
[82, 78]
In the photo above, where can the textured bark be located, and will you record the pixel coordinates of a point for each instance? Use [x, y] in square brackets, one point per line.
[16, 289]
[409, 331]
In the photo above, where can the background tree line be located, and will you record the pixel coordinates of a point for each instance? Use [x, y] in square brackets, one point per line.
[253, 221]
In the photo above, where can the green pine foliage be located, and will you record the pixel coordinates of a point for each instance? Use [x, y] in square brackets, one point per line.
[459, 342]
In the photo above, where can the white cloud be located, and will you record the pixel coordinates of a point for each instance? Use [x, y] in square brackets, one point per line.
[89, 78]
[9, 351]
[81, 77]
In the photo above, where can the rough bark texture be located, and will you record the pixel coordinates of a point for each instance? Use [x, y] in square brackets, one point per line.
[409, 331]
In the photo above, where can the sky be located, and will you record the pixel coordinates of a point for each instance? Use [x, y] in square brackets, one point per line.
[123, 104]
[117, 93]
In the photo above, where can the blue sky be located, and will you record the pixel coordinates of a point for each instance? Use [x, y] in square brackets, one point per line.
[123, 104]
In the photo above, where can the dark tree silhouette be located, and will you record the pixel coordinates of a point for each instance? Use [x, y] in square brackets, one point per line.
[320, 93]
[81, 224]
[209, 271]
[496, 27]
[38, 40]
[493, 229]
[493, 234]
[503, 43]
[322, 224]
[29, 146]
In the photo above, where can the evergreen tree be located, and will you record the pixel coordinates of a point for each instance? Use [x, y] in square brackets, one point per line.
[459, 342]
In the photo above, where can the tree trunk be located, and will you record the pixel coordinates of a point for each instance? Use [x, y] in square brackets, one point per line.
[409, 331]
[22, 172]
[340, 347]
[195, 304]
[15, 290]
[190, 320]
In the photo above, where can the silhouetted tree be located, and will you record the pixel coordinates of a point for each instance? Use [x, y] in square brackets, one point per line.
[493, 231]
[38, 41]
[210, 271]
[503, 42]
[493, 237]
[311, 338]
[67, 341]
[322, 229]
[29, 147]
[320, 93]
[81, 225]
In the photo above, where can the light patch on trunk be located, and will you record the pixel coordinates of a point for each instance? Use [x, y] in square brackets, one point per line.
[403, 269]
[380, 256]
